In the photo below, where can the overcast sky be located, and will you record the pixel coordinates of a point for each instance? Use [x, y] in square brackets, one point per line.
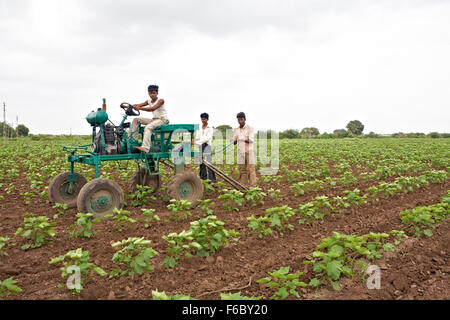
[285, 63]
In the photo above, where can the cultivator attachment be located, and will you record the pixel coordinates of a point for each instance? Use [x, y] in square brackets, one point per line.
[236, 185]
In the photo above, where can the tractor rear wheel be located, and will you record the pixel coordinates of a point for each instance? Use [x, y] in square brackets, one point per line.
[143, 178]
[60, 190]
[186, 186]
[100, 196]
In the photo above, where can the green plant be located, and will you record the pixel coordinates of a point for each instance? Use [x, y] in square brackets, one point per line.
[83, 225]
[150, 217]
[142, 195]
[27, 197]
[62, 209]
[8, 287]
[237, 296]
[207, 187]
[286, 283]
[163, 296]
[274, 193]
[3, 241]
[255, 196]
[232, 199]
[276, 217]
[76, 261]
[180, 209]
[122, 218]
[38, 229]
[336, 255]
[205, 206]
[421, 219]
[135, 255]
[205, 236]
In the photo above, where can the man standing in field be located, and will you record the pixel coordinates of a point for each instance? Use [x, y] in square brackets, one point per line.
[158, 108]
[244, 138]
[203, 138]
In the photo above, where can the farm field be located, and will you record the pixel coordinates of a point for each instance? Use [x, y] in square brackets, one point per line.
[334, 208]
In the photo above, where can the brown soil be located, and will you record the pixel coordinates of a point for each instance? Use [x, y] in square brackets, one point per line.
[418, 270]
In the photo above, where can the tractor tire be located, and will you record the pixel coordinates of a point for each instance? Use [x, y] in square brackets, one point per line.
[141, 177]
[100, 196]
[58, 189]
[186, 186]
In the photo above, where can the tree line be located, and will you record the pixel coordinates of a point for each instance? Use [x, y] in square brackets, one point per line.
[10, 132]
[353, 129]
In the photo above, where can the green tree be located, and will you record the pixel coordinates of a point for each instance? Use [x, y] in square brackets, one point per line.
[309, 132]
[9, 131]
[434, 135]
[340, 133]
[289, 134]
[355, 127]
[22, 131]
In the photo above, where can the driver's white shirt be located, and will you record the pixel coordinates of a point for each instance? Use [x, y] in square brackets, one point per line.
[159, 113]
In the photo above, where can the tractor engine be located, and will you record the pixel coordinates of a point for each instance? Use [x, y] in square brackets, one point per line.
[112, 143]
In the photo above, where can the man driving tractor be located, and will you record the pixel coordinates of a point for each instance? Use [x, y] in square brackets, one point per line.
[155, 105]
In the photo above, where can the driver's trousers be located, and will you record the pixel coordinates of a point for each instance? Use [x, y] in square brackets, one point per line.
[150, 124]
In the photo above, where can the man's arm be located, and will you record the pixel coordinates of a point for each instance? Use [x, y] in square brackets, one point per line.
[208, 135]
[140, 105]
[158, 104]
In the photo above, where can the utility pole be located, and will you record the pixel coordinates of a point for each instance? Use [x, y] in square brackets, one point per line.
[4, 122]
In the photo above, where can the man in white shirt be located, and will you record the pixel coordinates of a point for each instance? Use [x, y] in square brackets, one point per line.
[158, 108]
[203, 138]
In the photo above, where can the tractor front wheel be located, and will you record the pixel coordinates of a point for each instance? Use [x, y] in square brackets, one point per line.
[186, 186]
[61, 190]
[100, 196]
[144, 178]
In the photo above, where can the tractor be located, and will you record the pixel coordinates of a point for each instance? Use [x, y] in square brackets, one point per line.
[113, 143]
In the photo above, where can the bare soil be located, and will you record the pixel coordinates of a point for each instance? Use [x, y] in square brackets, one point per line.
[420, 269]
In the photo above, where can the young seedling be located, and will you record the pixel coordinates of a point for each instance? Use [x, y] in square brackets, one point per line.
[232, 199]
[27, 197]
[83, 225]
[122, 218]
[135, 255]
[3, 241]
[76, 262]
[274, 193]
[255, 196]
[180, 209]
[62, 208]
[142, 196]
[8, 287]
[286, 283]
[150, 217]
[207, 187]
[205, 206]
[204, 236]
[337, 255]
[38, 229]
[420, 220]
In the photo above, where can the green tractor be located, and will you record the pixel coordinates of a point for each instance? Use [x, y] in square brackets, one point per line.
[112, 143]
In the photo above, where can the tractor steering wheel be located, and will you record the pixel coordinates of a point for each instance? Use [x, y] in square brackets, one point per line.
[129, 109]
